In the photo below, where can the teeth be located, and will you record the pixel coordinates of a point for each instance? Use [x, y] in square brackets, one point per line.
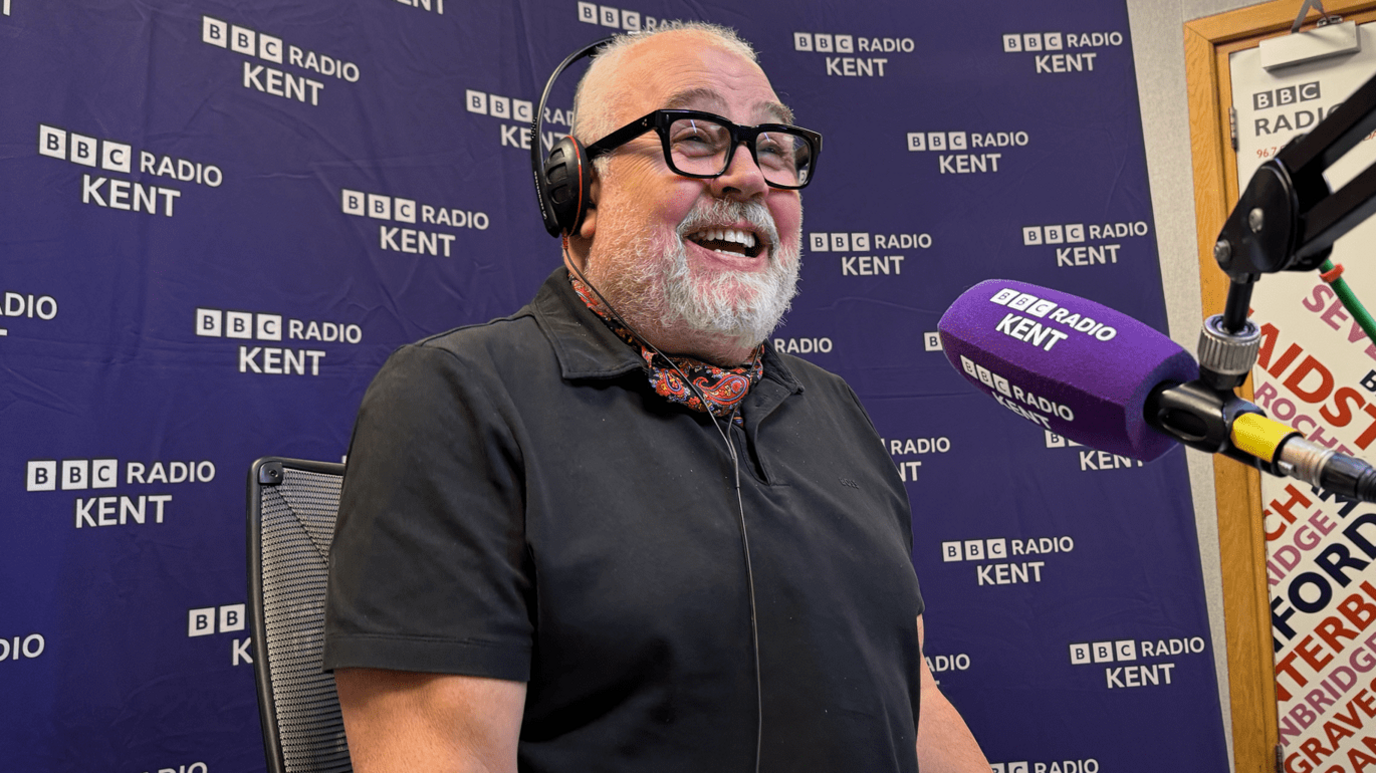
[727, 235]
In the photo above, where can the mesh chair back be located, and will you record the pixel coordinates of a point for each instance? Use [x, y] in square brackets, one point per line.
[292, 506]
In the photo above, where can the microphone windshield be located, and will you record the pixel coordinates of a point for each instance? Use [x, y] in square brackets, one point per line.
[1065, 363]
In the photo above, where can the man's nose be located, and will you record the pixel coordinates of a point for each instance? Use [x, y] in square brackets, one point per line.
[743, 178]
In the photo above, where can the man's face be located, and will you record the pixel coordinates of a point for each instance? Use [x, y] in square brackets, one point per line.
[694, 260]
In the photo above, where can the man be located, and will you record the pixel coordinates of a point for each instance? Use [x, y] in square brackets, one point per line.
[554, 554]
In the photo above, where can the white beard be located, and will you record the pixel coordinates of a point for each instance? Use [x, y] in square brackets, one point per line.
[653, 286]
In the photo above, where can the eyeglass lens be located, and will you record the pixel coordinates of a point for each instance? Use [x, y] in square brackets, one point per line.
[703, 147]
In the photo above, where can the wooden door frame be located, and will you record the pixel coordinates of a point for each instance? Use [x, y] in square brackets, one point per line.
[1242, 543]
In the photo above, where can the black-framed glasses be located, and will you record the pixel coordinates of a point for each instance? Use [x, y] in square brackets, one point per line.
[700, 144]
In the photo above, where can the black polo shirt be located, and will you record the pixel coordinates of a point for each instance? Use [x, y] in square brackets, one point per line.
[520, 504]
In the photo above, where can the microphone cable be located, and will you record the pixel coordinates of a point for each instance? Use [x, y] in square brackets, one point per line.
[740, 501]
[1334, 276]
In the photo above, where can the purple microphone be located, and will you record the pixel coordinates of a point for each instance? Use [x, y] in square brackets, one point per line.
[1067, 364]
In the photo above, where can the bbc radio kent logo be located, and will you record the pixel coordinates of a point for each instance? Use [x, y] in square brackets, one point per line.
[417, 241]
[866, 264]
[273, 81]
[102, 189]
[275, 360]
[1130, 652]
[845, 45]
[1056, 52]
[109, 508]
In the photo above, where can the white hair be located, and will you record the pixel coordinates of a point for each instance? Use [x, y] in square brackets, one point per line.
[596, 100]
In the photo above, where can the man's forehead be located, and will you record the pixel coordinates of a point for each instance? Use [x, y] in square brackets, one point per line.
[706, 98]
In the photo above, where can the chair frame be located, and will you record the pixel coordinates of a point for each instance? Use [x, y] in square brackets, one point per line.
[267, 472]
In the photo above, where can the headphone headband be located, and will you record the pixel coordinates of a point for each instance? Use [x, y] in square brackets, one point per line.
[562, 181]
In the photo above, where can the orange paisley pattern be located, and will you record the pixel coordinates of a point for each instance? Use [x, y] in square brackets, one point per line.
[723, 388]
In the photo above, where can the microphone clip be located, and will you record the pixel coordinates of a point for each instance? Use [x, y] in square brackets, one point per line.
[1201, 416]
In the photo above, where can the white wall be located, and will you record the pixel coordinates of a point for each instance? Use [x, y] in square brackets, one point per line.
[1158, 47]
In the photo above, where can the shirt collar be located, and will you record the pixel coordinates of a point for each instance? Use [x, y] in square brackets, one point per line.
[586, 349]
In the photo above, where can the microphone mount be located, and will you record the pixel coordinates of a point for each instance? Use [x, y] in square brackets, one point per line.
[1286, 219]
[1200, 416]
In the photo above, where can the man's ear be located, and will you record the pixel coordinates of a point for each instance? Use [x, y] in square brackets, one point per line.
[589, 225]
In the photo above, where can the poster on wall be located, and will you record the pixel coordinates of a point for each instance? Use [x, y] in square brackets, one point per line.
[1316, 371]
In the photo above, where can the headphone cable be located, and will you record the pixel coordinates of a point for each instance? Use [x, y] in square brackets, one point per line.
[740, 501]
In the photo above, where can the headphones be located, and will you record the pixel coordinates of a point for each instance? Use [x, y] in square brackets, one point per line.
[563, 183]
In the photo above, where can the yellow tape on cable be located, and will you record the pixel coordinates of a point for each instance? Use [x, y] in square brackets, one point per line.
[1258, 435]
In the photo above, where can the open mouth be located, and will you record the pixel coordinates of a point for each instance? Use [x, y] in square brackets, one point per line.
[729, 241]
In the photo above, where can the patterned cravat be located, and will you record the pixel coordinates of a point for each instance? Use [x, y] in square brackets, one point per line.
[723, 388]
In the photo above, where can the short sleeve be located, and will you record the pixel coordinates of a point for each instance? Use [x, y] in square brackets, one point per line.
[429, 569]
[903, 515]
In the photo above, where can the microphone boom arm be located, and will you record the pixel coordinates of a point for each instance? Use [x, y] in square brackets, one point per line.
[1287, 219]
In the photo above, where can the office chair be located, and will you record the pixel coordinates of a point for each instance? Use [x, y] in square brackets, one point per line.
[291, 514]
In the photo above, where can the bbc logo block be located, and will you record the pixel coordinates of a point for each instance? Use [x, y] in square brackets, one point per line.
[241, 40]
[1036, 235]
[1008, 767]
[71, 474]
[1035, 41]
[505, 108]
[986, 376]
[377, 206]
[608, 16]
[247, 325]
[823, 43]
[1024, 302]
[1085, 653]
[975, 550]
[1288, 95]
[939, 142]
[838, 242]
[202, 621]
[111, 156]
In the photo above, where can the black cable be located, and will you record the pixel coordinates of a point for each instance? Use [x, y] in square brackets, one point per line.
[536, 168]
[740, 501]
[749, 576]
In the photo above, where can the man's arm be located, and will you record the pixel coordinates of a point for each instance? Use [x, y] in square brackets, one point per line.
[944, 743]
[401, 721]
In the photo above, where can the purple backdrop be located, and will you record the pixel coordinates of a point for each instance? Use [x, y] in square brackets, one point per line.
[217, 219]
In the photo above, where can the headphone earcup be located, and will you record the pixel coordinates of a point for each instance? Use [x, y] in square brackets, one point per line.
[568, 185]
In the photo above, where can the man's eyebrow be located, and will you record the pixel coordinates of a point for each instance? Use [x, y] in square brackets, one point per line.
[691, 97]
[779, 110]
[696, 97]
